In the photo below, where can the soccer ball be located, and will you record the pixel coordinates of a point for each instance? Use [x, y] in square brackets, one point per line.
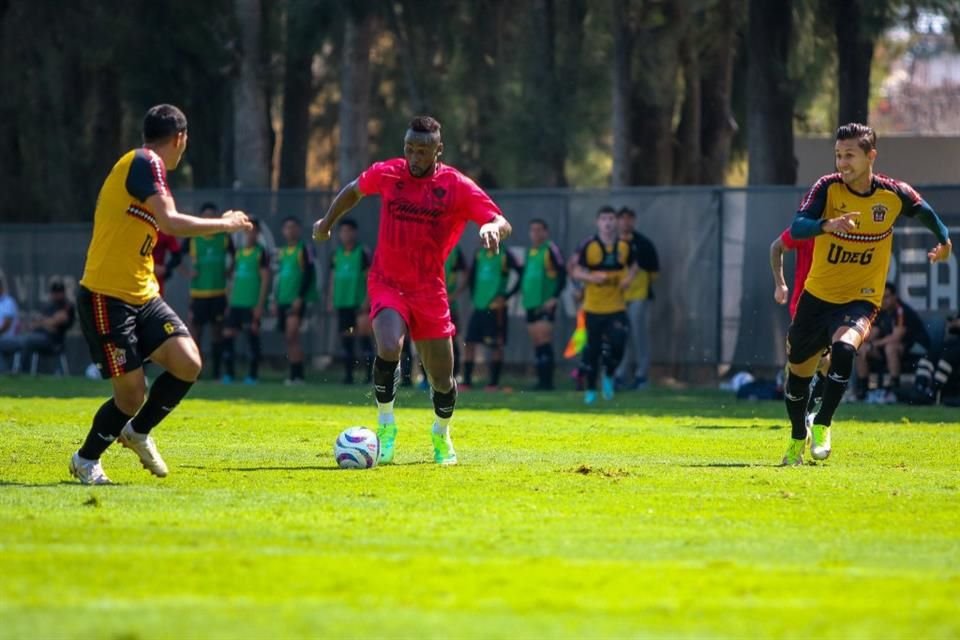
[357, 448]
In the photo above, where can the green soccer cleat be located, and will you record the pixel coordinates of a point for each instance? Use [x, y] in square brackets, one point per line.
[820, 445]
[387, 434]
[443, 452]
[794, 455]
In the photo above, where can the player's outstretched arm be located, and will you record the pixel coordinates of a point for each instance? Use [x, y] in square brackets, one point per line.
[780, 290]
[180, 224]
[347, 199]
[495, 232]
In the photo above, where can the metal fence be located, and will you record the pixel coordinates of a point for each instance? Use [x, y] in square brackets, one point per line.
[713, 302]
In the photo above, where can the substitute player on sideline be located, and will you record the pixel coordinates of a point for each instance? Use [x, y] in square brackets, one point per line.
[850, 214]
[123, 317]
[425, 205]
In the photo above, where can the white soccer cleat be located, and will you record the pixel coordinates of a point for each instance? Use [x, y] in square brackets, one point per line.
[87, 471]
[144, 446]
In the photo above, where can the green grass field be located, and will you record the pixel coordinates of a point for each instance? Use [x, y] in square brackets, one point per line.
[659, 515]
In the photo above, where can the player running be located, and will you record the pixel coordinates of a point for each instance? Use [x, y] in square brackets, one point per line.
[850, 214]
[425, 205]
[123, 317]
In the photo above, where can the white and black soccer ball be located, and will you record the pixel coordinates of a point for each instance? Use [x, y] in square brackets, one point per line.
[357, 448]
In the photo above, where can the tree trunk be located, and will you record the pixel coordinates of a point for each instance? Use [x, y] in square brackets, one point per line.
[654, 92]
[854, 55]
[251, 141]
[771, 102]
[622, 54]
[718, 125]
[687, 155]
[398, 15]
[548, 142]
[354, 148]
[297, 96]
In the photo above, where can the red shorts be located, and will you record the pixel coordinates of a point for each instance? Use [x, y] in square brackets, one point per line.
[427, 314]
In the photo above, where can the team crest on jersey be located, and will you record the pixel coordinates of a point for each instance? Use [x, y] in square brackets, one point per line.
[168, 328]
[879, 212]
[400, 185]
[119, 356]
[440, 192]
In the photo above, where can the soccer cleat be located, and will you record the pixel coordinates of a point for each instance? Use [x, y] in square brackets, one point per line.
[387, 434]
[144, 446]
[607, 387]
[443, 453]
[820, 446]
[590, 396]
[87, 471]
[794, 455]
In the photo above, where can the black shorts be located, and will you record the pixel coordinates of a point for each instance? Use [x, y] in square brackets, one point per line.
[488, 327]
[606, 326]
[239, 318]
[347, 320]
[284, 310]
[817, 320]
[121, 336]
[207, 310]
[541, 314]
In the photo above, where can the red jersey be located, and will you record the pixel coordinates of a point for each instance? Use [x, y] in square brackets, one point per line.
[804, 249]
[421, 220]
[165, 243]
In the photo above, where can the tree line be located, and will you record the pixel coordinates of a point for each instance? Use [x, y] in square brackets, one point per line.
[531, 93]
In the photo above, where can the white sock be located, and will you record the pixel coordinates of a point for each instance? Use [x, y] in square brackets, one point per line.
[441, 426]
[386, 412]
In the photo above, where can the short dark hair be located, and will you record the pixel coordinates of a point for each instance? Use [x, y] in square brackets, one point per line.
[892, 288]
[606, 209]
[255, 222]
[348, 223]
[626, 212]
[865, 136]
[56, 286]
[163, 121]
[541, 222]
[209, 205]
[294, 219]
[425, 124]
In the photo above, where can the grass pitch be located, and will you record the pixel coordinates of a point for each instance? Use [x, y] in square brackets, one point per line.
[658, 515]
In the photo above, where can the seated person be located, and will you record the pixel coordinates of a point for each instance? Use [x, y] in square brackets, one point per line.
[46, 332]
[8, 324]
[897, 328]
[932, 379]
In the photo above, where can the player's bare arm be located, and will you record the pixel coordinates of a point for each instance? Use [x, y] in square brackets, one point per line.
[347, 199]
[628, 279]
[495, 232]
[181, 224]
[780, 290]
[583, 274]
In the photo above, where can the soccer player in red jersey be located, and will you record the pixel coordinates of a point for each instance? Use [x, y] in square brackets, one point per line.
[163, 268]
[425, 205]
[804, 248]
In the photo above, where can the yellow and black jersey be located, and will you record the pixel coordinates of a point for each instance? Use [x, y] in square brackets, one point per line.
[853, 265]
[120, 256]
[614, 259]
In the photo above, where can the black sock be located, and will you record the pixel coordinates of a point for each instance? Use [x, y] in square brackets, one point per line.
[228, 357]
[495, 368]
[816, 390]
[107, 425]
[296, 371]
[468, 373]
[456, 358]
[217, 357]
[254, 340]
[444, 402]
[367, 348]
[796, 394]
[346, 344]
[386, 377]
[841, 366]
[166, 392]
